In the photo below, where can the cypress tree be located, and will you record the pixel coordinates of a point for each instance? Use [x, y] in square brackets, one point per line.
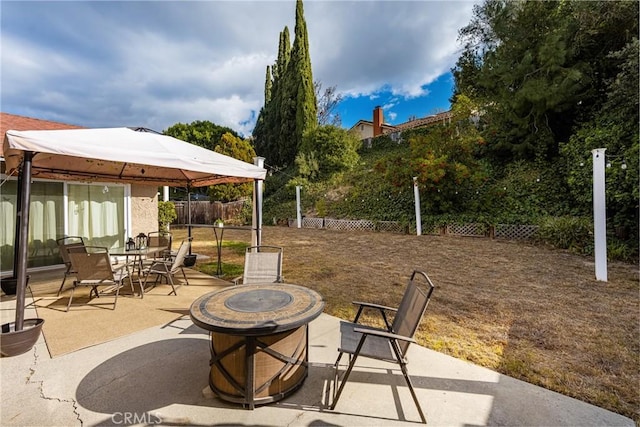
[290, 100]
[305, 96]
[267, 86]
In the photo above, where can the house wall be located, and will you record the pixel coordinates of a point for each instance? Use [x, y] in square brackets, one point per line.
[364, 130]
[144, 209]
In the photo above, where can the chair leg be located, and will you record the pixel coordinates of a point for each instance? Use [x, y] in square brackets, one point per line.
[405, 373]
[186, 281]
[144, 284]
[403, 367]
[64, 279]
[115, 300]
[349, 369]
[71, 296]
[170, 280]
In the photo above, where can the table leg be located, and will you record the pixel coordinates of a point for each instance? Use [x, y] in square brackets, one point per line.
[136, 264]
[250, 380]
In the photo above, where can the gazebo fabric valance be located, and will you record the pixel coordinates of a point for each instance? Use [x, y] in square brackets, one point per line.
[123, 155]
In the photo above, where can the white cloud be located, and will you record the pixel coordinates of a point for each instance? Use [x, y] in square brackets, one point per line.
[155, 64]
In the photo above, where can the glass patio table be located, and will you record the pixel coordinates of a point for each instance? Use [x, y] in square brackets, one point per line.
[137, 256]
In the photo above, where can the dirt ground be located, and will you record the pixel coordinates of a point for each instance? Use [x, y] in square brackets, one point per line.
[530, 312]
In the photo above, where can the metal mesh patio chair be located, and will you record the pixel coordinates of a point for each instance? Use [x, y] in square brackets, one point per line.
[262, 264]
[94, 269]
[168, 268]
[64, 243]
[390, 343]
[160, 238]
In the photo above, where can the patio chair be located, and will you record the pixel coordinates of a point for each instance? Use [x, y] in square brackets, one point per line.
[94, 269]
[160, 238]
[388, 344]
[168, 268]
[64, 243]
[262, 264]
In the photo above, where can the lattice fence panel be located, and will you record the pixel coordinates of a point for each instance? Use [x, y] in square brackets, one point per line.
[312, 222]
[434, 230]
[471, 229]
[349, 225]
[390, 226]
[515, 232]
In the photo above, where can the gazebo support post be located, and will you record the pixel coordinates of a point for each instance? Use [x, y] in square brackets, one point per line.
[256, 232]
[22, 237]
[189, 214]
[16, 246]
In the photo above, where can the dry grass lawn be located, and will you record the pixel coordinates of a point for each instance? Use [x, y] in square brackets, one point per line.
[526, 311]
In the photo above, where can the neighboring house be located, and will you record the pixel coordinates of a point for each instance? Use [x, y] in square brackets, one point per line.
[371, 129]
[104, 213]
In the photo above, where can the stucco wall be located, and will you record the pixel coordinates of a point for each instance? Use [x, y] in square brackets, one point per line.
[144, 209]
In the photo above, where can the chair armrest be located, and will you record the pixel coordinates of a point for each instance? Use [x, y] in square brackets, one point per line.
[383, 334]
[375, 306]
[382, 309]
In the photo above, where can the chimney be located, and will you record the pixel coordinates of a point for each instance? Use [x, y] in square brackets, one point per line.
[378, 120]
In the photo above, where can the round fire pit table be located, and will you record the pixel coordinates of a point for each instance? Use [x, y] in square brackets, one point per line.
[259, 339]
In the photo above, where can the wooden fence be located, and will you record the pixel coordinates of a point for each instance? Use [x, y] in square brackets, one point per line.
[207, 212]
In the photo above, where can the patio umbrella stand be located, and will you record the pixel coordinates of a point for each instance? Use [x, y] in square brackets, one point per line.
[13, 343]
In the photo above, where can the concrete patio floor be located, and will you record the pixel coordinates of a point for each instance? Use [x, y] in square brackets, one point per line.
[159, 376]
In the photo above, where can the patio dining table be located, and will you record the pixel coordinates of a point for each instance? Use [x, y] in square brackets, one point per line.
[135, 257]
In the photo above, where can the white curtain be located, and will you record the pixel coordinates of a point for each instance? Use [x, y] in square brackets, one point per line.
[8, 214]
[96, 212]
[45, 223]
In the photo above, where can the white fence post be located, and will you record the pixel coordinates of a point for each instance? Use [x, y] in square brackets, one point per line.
[599, 214]
[298, 212]
[416, 196]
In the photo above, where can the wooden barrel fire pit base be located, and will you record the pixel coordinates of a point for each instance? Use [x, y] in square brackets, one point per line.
[259, 339]
[254, 370]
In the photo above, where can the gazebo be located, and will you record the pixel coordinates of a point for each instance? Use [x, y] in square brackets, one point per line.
[121, 155]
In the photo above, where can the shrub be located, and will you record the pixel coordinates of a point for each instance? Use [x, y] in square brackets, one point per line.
[166, 215]
[572, 233]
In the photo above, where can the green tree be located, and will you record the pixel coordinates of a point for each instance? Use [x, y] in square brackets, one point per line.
[200, 132]
[291, 109]
[444, 161]
[615, 128]
[538, 68]
[238, 148]
[326, 150]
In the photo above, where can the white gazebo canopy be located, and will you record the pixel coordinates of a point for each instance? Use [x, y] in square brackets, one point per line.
[123, 155]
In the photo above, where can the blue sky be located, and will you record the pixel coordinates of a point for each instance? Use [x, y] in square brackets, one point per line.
[157, 63]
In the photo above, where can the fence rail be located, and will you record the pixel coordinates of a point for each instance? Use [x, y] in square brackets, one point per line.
[208, 212]
[499, 231]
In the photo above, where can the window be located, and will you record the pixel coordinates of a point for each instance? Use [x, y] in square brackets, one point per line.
[46, 223]
[94, 211]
